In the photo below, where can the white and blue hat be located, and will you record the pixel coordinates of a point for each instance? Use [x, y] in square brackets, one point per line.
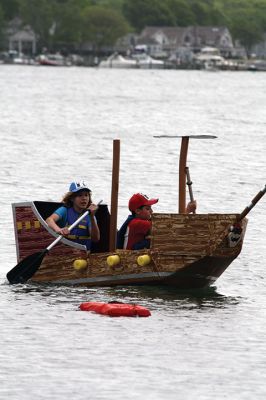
[77, 186]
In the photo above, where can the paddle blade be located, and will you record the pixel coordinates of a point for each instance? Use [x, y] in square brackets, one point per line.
[26, 268]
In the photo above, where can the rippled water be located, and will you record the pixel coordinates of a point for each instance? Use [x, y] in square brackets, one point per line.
[57, 125]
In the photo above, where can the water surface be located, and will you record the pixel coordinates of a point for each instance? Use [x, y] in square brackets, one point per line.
[56, 126]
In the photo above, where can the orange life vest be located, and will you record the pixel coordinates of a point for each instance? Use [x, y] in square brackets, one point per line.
[116, 309]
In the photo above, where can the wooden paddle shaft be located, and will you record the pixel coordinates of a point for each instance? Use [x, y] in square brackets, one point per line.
[189, 183]
[114, 195]
[182, 174]
[252, 204]
[69, 228]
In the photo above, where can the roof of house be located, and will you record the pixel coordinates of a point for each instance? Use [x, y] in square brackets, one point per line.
[27, 35]
[210, 35]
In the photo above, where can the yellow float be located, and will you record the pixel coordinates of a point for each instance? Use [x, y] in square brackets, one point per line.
[113, 260]
[80, 264]
[143, 260]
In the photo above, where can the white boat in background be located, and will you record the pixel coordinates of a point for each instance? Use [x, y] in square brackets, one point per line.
[118, 61]
[258, 65]
[15, 57]
[147, 62]
[54, 60]
[142, 61]
[209, 58]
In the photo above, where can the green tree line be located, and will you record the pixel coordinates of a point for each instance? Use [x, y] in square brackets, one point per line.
[102, 22]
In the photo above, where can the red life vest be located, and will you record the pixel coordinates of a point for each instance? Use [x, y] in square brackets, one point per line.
[116, 309]
[132, 234]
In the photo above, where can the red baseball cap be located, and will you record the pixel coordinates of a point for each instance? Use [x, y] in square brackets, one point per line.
[138, 200]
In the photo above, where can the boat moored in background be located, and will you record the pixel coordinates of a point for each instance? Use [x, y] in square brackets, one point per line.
[209, 58]
[142, 61]
[118, 61]
[53, 60]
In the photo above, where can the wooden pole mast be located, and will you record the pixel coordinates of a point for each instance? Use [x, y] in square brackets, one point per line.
[114, 194]
[182, 165]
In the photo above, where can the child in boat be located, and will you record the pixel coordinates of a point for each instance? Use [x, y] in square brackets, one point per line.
[135, 231]
[76, 201]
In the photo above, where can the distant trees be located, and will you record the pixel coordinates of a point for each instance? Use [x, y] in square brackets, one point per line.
[246, 20]
[182, 11]
[40, 15]
[98, 25]
[141, 13]
[66, 27]
[10, 8]
[102, 26]
[70, 22]
[1, 24]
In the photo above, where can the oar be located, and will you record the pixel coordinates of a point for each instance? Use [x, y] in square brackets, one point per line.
[189, 183]
[27, 267]
[235, 230]
[252, 204]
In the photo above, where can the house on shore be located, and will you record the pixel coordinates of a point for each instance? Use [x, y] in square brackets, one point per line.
[20, 38]
[180, 43]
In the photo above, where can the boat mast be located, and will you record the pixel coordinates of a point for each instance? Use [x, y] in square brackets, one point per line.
[183, 167]
[114, 195]
[183, 164]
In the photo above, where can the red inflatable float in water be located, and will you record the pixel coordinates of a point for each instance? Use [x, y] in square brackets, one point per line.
[116, 309]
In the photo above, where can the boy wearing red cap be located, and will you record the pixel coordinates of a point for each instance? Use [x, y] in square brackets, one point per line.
[133, 234]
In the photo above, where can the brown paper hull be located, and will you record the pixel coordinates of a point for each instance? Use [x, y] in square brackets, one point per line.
[187, 251]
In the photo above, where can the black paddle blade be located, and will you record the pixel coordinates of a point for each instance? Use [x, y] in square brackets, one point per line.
[26, 268]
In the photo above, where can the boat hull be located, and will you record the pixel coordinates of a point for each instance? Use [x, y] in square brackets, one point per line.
[192, 277]
[187, 251]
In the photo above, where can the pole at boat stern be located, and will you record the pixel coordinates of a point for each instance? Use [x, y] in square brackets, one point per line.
[114, 194]
[182, 165]
[182, 174]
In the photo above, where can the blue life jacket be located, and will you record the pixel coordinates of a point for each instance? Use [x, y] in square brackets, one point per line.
[122, 231]
[145, 243]
[81, 232]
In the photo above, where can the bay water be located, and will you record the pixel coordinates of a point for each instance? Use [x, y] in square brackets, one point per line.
[57, 125]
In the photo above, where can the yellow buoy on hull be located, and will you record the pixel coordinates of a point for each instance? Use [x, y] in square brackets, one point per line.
[80, 264]
[143, 260]
[113, 260]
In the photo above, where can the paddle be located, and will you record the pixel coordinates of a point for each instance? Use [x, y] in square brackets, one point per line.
[235, 230]
[252, 204]
[189, 183]
[27, 267]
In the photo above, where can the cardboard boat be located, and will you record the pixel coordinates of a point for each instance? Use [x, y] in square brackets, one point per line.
[186, 250]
